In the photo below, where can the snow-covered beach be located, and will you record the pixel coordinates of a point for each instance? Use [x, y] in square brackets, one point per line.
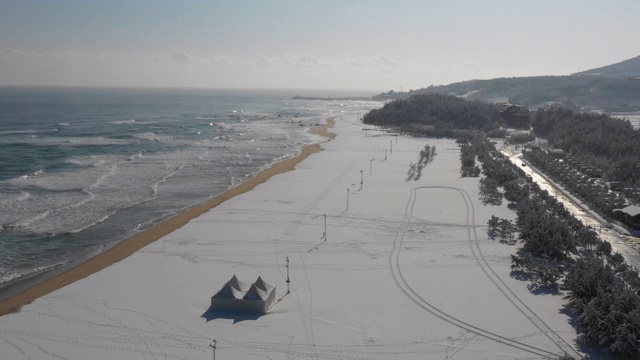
[406, 271]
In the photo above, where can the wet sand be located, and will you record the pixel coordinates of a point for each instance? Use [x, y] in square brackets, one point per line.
[127, 247]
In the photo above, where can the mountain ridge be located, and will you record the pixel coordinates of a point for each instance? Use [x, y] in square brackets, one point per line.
[611, 88]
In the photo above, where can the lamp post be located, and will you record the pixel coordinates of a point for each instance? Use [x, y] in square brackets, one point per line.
[288, 281]
[391, 149]
[213, 346]
[324, 234]
[347, 198]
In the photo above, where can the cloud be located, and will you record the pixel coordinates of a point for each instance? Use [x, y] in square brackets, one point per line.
[289, 60]
[180, 56]
[221, 60]
[382, 59]
[378, 61]
[19, 52]
[307, 61]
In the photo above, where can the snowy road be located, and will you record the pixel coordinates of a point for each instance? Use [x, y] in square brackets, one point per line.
[623, 243]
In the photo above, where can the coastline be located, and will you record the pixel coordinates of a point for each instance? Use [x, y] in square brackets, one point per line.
[410, 248]
[136, 242]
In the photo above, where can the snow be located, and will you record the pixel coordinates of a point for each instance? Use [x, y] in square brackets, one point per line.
[406, 272]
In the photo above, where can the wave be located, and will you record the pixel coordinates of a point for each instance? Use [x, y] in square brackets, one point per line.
[26, 132]
[135, 156]
[98, 221]
[97, 140]
[16, 275]
[34, 174]
[63, 124]
[151, 136]
[24, 195]
[123, 122]
[26, 223]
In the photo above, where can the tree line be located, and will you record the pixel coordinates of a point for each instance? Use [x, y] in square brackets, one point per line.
[610, 144]
[560, 252]
[436, 114]
[426, 157]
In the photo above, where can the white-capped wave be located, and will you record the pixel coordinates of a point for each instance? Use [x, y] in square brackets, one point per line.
[15, 275]
[9, 199]
[19, 132]
[150, 136]
[97, 140]
[27, 222]
[34, 174]
[63, 124]
[99, 220]
[123, 122]
[135, 156]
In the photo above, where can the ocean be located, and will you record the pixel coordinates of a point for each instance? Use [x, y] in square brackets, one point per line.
[84, 168]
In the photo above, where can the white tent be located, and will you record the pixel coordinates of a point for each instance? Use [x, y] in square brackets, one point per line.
[236, 295]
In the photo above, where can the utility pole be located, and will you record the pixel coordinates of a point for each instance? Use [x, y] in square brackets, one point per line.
[391, 151]
[324, 234]
[288, 281]
[213, 346]
[361, 180]
[347, 198]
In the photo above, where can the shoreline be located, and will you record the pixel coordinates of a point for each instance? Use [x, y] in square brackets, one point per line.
[130, 245]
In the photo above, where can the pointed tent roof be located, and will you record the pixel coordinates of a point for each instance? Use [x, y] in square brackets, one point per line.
[238, 285]
[254, 293]
[262, 285]
[228, 292]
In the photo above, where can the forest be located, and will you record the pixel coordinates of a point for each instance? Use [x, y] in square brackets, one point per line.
[604, 142]
[559, 253]
[436, 114]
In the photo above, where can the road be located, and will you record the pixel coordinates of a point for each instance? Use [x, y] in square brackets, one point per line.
[618, 237]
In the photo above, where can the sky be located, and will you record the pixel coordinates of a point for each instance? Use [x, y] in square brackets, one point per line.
[370, 45]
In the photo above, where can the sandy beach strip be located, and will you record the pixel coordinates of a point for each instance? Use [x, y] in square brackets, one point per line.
[128, 246]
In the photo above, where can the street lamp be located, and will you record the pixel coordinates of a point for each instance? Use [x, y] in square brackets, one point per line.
[213, 346]
[347, 198]
[288, 281]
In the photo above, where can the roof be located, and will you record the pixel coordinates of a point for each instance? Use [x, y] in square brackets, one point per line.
[256, 294]
[239, 285]
[236, 289]
[262, 285]
[631, 210]
[228, 292]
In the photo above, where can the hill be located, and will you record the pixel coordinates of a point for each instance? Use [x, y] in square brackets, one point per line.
[628, 68]
[615, 88]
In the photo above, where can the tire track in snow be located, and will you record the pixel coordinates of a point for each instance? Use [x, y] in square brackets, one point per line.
[400, 281]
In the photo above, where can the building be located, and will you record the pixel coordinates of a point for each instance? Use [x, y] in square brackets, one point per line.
[516, 116]
[629, 215]
[239, 296]
[557, 153]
